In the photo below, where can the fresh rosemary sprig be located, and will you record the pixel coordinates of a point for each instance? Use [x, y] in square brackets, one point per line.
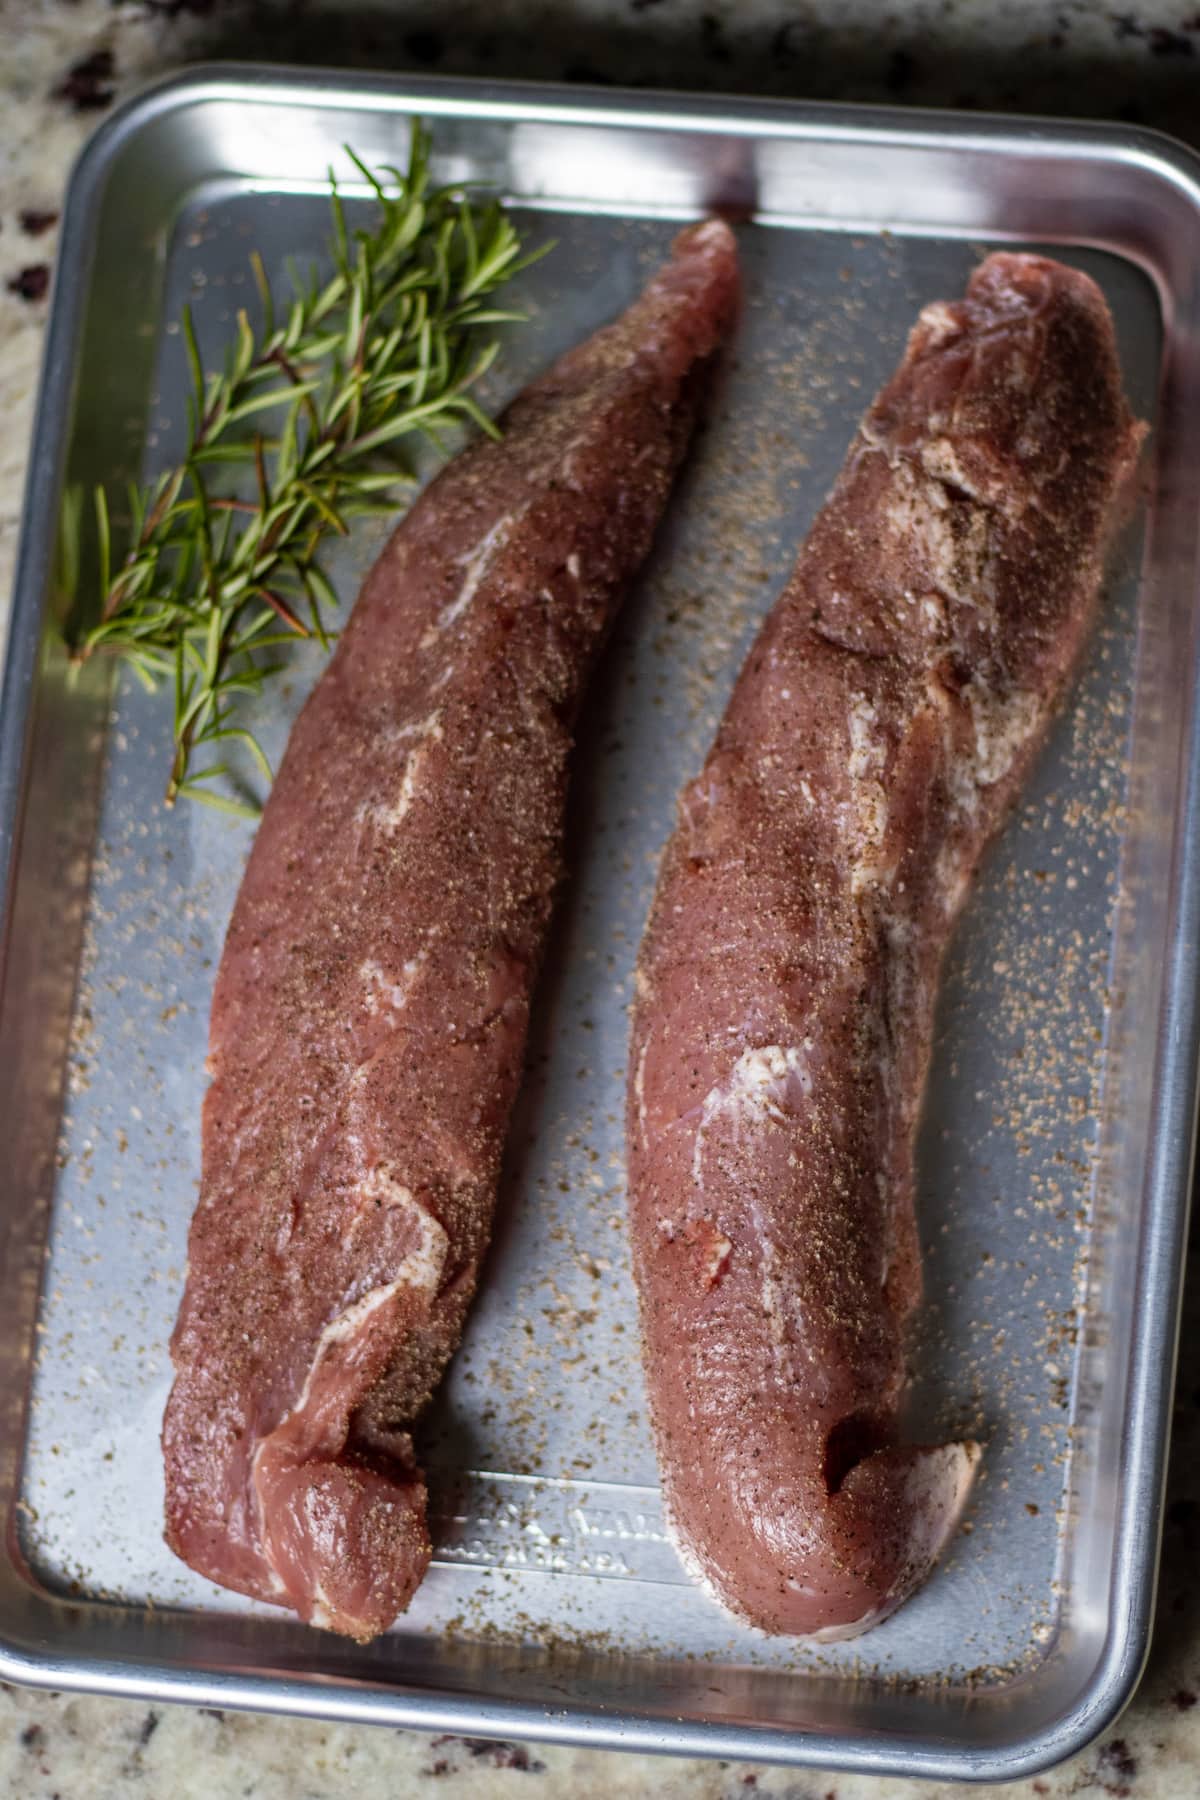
[223, 560]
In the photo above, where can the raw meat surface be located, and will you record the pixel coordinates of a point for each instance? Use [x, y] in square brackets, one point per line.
[370, 1011]
[877, 735]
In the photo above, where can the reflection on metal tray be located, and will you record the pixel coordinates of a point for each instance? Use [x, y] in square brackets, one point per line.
[1056, 1150]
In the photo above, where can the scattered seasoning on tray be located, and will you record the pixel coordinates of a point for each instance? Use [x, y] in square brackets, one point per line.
[224, 561]
[1018, 1313]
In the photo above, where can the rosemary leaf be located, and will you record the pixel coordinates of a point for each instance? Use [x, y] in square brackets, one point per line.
[388, 347]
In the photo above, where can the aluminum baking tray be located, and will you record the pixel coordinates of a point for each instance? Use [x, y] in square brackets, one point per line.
[1056, 1154]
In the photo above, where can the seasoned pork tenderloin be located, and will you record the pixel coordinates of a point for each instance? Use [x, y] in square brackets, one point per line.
[370, 1011]
[876, 737]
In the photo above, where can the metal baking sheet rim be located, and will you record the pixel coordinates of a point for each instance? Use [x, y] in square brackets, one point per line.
[28, 1652]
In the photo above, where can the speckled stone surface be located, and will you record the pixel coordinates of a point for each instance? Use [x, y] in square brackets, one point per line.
[62, 64]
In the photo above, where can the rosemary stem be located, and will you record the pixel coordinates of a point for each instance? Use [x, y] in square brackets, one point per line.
[224, 550]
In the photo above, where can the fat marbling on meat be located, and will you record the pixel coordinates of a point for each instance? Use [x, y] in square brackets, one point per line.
[875, 739]
[370, 1010]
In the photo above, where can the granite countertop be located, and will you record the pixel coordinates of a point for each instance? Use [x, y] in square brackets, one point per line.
[62, 64]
